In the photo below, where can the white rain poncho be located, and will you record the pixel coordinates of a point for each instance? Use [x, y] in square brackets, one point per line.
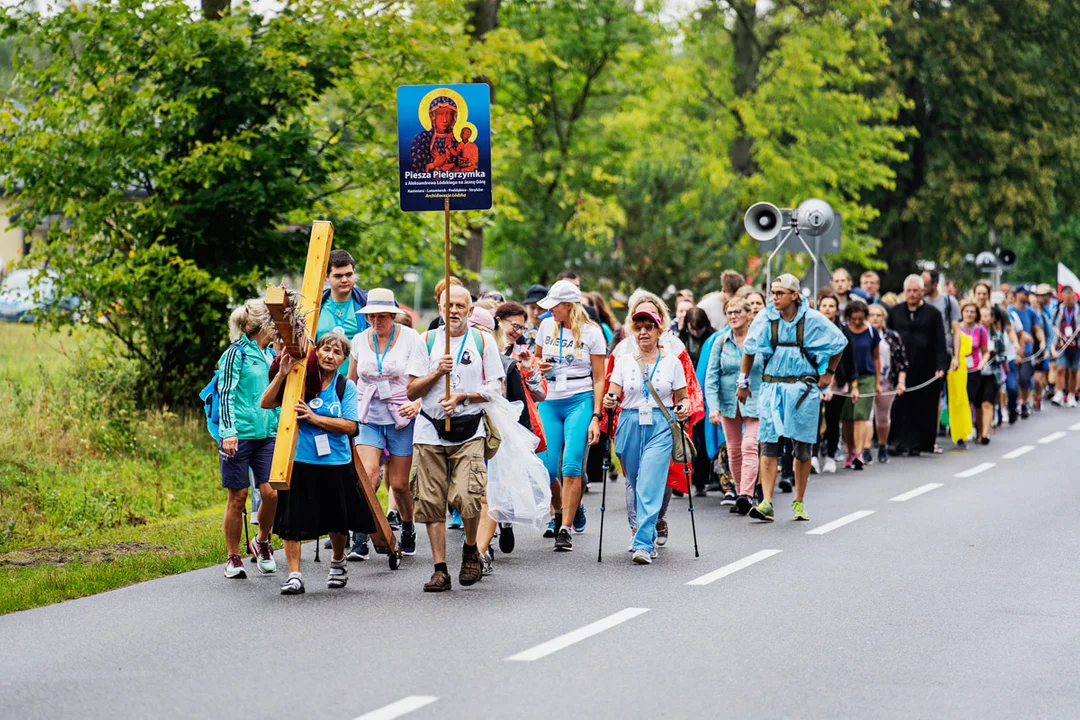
[518, 487]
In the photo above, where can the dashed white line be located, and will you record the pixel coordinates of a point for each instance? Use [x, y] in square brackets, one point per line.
[1075, 427]
[733, 567]
[829, 527]
[403, 706]
[1023, 450]
[1051, 437]
[576, 636]
[904, 497]
[971, 472]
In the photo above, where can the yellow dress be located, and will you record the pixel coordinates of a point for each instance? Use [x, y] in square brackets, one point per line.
[960, 426]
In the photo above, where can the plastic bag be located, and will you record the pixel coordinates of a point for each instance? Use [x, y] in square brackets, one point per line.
[518, 488]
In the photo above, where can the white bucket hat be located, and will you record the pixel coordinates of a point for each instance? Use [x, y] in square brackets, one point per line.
[380, 300]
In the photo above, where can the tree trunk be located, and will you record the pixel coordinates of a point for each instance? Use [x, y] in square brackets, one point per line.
[747, 62]
[483, 18]
[215, 9]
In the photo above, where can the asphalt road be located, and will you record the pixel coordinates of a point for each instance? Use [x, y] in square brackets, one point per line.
[958, 601]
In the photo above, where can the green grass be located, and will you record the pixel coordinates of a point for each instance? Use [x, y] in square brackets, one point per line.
[95, 495]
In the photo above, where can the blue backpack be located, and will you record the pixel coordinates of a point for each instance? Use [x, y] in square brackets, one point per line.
[212, 398]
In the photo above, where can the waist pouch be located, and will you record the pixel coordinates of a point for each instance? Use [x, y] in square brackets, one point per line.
[462, 427]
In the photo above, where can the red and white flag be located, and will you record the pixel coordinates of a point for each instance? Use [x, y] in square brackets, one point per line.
[1066, 277]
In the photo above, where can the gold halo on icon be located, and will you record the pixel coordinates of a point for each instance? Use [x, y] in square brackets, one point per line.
[462, 109]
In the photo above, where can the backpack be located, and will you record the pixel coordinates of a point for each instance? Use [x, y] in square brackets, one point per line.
[211, 398]
[775, 342]
[478, 341]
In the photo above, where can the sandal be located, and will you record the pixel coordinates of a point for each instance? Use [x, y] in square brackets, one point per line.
[293, 586]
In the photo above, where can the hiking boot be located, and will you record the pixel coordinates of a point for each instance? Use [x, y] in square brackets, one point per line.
[339, 574]
[408, 540]
[563, 543]
[472, 569]
[506, 538]
[394, 518]
[641, 557]
[798, 511]
[234, 568]
[661, 532]
[762, 511]
[294, 585]
[439, 582]
[264, 555]
[580, 520]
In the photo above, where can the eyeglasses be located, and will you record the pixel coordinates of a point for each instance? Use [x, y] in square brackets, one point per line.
[519, 328]
[733, 313]
[782, 293]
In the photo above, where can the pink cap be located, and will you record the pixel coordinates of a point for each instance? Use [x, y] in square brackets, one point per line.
[482, 318]
[646, 315]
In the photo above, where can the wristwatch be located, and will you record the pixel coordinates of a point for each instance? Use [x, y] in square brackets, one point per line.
[466, 400]
[598, 416]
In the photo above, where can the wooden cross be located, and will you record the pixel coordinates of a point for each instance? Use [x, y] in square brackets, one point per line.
[277, 300]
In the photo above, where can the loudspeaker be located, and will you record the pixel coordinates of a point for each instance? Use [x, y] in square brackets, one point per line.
[1007, 258]
[763, 221]
[814, 217]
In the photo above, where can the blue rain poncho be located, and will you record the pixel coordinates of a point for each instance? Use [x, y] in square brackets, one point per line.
[776, 406]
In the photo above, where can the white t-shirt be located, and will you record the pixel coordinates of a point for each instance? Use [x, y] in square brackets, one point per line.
[571, 360]
[668, 378]
[469, 375]
[395, 366]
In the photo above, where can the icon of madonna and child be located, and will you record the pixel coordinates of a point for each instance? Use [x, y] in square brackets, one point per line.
[447, 145]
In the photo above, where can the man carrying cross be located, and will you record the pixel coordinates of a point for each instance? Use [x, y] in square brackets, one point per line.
[449, 464]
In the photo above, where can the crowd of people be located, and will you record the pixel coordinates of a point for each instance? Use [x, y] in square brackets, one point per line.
[741, 392]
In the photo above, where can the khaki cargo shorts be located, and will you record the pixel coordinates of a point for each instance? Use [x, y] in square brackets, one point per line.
[432, 492]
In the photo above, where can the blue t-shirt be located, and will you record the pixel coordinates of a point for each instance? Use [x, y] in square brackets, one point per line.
[862, 348]
[338, 316]
[1028, 318]
[327, 405]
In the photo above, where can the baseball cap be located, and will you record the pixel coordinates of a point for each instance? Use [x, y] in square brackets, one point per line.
[560, 292]
[482, 318]
[1022, 289]
[787, 281]
[535, 294]
[650, 316]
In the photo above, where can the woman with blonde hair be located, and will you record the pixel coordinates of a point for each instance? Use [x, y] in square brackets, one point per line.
[571, 351]
[247, 433]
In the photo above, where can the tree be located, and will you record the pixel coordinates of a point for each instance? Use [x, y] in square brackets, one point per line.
[992, 84]
[178, 161]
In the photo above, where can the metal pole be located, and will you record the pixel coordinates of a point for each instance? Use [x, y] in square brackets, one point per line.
[768, 264]
[446, 291]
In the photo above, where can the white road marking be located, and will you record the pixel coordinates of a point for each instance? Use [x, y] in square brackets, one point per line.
[1051, 437]
[970, 472]
[401, 707]
[733, 567]
[1023, 450]
[1075, 427]
[576, 636]
[829, 527]
[904, 497]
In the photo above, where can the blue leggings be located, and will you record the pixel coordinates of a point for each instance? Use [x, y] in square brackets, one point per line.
[566, 427]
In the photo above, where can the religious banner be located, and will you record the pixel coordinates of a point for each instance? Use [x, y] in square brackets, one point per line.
[444, 146]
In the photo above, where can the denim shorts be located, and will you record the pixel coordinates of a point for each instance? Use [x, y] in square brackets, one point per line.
[387, 437]
[1065, 362]
[255, 454]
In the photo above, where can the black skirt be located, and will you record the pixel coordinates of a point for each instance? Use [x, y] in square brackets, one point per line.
[322, 499]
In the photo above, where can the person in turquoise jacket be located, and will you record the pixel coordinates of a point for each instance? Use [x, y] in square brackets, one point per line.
[247, 433]
[800, 349]
[739, 420]
[342, 302]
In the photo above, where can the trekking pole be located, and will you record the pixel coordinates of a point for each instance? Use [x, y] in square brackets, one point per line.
[603, 491]
[318, 542]
[689, 492]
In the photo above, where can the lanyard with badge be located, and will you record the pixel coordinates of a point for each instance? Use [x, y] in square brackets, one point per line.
[455, 379]
[560, 376]
[322, 441]
[645, 414]
[382, 384]
[1069, 316]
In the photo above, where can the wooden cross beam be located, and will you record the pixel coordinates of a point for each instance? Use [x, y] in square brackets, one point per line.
[277, 300]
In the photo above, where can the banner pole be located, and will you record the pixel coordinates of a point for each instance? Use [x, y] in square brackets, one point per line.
[446, 291]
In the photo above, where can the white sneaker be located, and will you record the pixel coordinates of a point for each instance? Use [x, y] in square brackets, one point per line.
[1059, 398]
[815, 466]
[1071, 402]
[830, 465]
[641, 557]
[633, 532]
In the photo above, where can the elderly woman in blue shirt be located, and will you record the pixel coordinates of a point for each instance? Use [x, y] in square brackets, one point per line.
[738, 419]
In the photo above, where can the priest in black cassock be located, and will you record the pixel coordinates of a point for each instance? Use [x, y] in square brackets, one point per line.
[915, 413]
